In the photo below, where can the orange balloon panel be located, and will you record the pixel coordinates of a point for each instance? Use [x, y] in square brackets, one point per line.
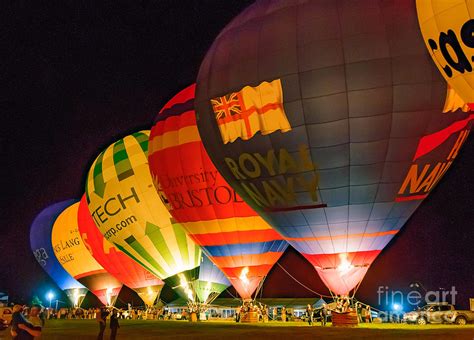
[126, 270]
[232, 235]
[73, 255]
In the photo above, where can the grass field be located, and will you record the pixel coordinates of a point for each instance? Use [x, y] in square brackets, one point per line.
[152, 329]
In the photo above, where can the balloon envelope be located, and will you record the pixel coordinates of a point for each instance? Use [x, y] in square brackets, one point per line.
[211, 282]
[448, 31]
[116, 263]
[73, 255]
[230, 232]
[326, 118]
[129, 213]
[40, 241]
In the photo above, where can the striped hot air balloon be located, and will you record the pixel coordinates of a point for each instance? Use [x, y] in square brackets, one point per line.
[122, 267]
[327, 118]
[129, 213]
[231, 233]
[40, 241]
[211, 282]
[75, 258]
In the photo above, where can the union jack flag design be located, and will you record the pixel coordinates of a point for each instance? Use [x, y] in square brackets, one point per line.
[226, 106]
[242, 114]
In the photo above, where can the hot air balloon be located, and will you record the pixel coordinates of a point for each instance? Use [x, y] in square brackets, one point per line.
[129, 213]
[211, 282]
[231, 233]
[73, 255]
[40, 241]
[326, 118]
[116, 263]
[448, 31]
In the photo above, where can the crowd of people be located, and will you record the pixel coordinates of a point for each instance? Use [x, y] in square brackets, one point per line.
[252, 307]
[28, 322]
[91, 313]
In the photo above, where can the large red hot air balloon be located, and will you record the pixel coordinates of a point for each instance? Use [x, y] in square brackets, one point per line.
[122, 267]
[326, 117]
[233, 236]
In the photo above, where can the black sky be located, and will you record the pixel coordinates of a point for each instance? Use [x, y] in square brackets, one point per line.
[76, 76]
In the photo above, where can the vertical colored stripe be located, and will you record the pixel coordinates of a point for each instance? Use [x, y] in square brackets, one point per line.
[132, 242]
[88, 200]
[157, 239]
[125, 251]
[197, 254]
[142, 140]
[182, 242]
[99, 184]
[122, 164]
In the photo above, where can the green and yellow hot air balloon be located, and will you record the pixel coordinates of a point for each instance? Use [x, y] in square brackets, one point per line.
[130, 214]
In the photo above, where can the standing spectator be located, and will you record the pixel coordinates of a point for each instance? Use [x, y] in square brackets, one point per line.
[368, 317]
[114, 325]
[363, 314]
[17, 318]
[102, 320]
[309, 314]
[324, 314]
[237, 314]
[358, 309]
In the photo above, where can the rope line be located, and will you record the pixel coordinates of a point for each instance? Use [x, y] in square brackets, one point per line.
[301, 284]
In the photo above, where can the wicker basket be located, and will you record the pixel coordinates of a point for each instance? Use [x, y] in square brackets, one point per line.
[193, 317]
[249, 317]
[345, 319]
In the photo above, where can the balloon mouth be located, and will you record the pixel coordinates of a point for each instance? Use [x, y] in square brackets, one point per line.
[341, 280]
[342, 267]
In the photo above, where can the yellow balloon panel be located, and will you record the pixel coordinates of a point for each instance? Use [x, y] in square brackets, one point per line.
[129, 213]
[69, 247]
[447, 27]
[76, 259]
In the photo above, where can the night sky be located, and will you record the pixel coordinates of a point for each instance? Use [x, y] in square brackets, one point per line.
[76, 76]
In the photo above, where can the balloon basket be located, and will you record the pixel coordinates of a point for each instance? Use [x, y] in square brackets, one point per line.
[345, 319]
[193, 317]
[249, 317]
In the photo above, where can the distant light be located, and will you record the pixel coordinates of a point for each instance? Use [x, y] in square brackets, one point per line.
[50, 296]
[397, 307]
